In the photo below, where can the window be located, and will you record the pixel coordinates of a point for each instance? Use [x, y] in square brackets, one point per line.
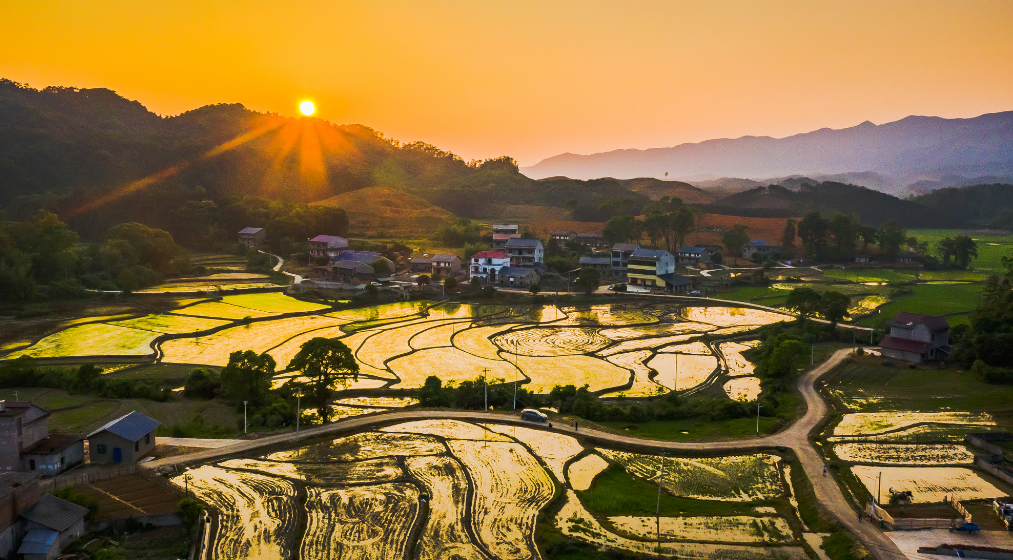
[147, 439]
[100, 449]
[137, 446]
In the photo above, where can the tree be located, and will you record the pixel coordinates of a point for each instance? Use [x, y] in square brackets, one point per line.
[247, 377]
[622, 229]
[202, 383]
[588, 280]
[814, 231]
[476, 283]
[191, 510]
[803, 301]
[381, 266]
[423, 281]
[371, 290]
[869, 234]
[325, 362]
[947, 248]
[534, 289]
[834, 306]
[450, 284]
[431, 393]
[844, 228]
[784, 359]
[891, 237]
[735, 239]
[683, 222]
[964, 248]
[788, 238]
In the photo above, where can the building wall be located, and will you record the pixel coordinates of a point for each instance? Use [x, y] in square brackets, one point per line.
[8, 538]
[112, 441]
[12, 443]
[901, 355]
[54, 463]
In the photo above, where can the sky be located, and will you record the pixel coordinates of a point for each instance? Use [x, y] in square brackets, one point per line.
[532, 79]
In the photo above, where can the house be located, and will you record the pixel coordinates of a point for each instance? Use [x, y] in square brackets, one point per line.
[123, 440]
[19, 491]
[655, 268]
[601, 264]
[327, 246]
[422, 265]
[757, 247]
[503, 233]
[862, 259]
[22, 425]
[370, 258]
[591, 239]
[252, 236]
[525, 253]
[915, 338]
[563, 236]
[345, 272]
[54, 454]
[514, 277]
[712, 248]
[486, 265]
[620, 257]
[695, 257]
[446, 265]
[50, 525]
[904, 258]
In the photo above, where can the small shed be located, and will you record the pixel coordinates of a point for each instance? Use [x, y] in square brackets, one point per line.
[124, 440]
[422, 265]
[54, 454]
[48, 516]
[252, 236]
[517, 277]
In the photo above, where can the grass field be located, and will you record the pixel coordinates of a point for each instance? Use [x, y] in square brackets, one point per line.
[616, 492]
[930, 299]
[272, 302]
[96, 339]
[991, 247]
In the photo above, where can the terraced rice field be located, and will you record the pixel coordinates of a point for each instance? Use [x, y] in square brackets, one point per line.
[214, 349]
[272, 302]
[170, 324]
[743, 389]
[737, 529]
[738, 478]
[928, 484]
[737, 363]
[359, 523]
[904, 454]
[863, 423]
[583, 472]
[680, 372]
[95, 339]
[554, 449]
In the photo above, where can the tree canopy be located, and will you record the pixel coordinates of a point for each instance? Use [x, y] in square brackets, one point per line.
[326, 363]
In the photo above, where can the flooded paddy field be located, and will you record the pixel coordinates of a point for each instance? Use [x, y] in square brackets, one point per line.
[444, 489]
[928, 484]
[635, 349]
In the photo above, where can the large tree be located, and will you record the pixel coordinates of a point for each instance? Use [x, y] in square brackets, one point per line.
[845, 229]
[814, 231]
[891, 236]
[803, 301]
[834, 306]
[326, 363]
[788, 238]
[964, 248]
[247, 377]
[735, 239]
[588, 280]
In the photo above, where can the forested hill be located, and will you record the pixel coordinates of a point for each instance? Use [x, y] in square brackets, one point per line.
[85, 154]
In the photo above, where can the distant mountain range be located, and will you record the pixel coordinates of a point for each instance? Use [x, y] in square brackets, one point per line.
[911, 156]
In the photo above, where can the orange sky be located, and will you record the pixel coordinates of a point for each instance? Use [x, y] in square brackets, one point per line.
[532, 79]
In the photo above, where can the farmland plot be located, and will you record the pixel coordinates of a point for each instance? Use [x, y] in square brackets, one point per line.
[551, 341]
[735, 529]
[660, 329]
[698, 348]
[737, 363]
[743, 389]
[359, 523]
[257, 512]
[475, 341]
[380, 312]
[438, 336]
[573, 520]
[391, 342]
[214, 349]
[272, 302]
[449, 364]
[735, 478]
[219, 310]
[681, 372]
[285, 351]
[634, 361]
[608, 314]
[929, 484]
[171, 324]
[583, 472]
[358, 472]
[644, 343]
[367, 445]
[384, 402]
[452, 429]
[95, 339]
[444, 535]
[911, 454]
[879, 422]
[510, 489]
[732, 316]
[545, 373]
[555, 449]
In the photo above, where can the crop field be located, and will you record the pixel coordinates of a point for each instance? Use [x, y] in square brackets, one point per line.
[359, 523]
[864, 423]
[545, 373]
[992, 246]
[551, 341]
[734, 529]
[928, 484]
[214, 349]
[692, 348]
[634, 361]
[451, 429]
[95, 339]
[911, 454]
[219, 310]
[358, 472]
[445, 535]
[381, 402]
[359, 447]
[170, 324]
[930, 299]
[609, 315]
[681, 372]
[272, 302]
[738, 478]
[737, 363]
[583, 472]
[732, 316]
[449, 364]
[555, 449]
[744, 389]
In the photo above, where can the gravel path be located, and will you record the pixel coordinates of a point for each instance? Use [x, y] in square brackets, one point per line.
[795, 437]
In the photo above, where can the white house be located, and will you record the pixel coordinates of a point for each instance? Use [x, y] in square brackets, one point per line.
[487, 265]
[525, 253]
[915, 337]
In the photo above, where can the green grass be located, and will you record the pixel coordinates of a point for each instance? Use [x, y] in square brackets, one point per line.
[82, 419]
[272, 302]
[870, 275]
[840, 546]
[615, 492]
[930, 299]
[808, 504]
[991, 248]
[868, 387]
[174, 372]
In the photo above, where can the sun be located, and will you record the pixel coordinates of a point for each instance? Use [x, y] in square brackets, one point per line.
[307, 108]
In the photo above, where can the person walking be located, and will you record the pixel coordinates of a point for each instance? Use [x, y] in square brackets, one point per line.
[575, 425]
[824, 471]
[859, 517]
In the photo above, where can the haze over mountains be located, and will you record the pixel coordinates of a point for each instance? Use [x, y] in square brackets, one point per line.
[912, 155]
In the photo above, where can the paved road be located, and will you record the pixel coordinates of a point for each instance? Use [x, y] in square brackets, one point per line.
[795, 437]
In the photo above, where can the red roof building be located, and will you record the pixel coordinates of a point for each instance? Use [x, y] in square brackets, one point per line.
[915, 338]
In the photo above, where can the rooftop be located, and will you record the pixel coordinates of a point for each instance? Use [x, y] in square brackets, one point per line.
[906, 345]
[562, 232]
[55, 513]
[518, 242]
[650, 253]
[17, 408]
[422, 260]
[515, 271]
[38, 541]
[759, 243]
[498, 236]
[330, 240]
[445, 258]
[595, 260]
[55, 443]
[625, 247]
[131, 426]
[490, 255]
[693, 250]
[251, 230]
[12, 480]
[906, 319]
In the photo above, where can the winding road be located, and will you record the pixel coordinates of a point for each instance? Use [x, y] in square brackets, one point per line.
[795, 437]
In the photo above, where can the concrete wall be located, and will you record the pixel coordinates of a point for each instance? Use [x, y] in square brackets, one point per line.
[32, 430]
[901, 355]
[55, 463]
[131, 451]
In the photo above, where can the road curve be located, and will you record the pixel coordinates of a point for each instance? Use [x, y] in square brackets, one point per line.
[796, 437]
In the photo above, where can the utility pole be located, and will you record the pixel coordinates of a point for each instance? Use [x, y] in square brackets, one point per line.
[879, 490]
[812, 355]
[298, 396]
[676, 373]
[515, 374]
[485, 376]
[244, 418]
[757, 416]
[657, 509]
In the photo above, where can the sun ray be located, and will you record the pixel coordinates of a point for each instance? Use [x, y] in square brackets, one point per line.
[311, 160]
